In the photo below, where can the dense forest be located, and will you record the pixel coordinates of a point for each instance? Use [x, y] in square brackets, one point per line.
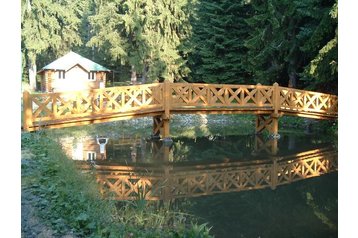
[292, 42]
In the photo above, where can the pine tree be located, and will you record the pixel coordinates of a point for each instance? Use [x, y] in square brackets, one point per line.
[48, 25]
[145, 34]
[321, 43]
[273, 48]
[285, 38]
[218, 54]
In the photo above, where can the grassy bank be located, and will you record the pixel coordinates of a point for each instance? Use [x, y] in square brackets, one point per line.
[69, 201]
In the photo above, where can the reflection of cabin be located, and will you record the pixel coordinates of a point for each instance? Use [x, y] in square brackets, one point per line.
[72, 72]
[86, 148]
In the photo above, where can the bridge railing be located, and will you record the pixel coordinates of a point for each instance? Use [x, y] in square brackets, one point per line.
[302, 101]
[44, 109]
[99, 105]
[224, 96]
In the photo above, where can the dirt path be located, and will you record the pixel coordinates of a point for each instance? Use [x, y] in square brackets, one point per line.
[31, 224]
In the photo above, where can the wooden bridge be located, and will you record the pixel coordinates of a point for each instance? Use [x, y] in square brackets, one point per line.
[170, 181]
[161, 100]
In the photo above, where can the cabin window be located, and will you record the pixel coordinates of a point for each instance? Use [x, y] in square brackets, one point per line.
[61, 74]
[91, 155]
[92, 76]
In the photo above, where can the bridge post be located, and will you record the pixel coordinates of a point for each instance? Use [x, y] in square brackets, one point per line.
[161, 127]
[167, 99]
[157, 124]
[269, 122]
[27, 109]
[161, 124]
[275, 115]
[166, 115]
[276, 98]
[274, 174]
[268, 146]
[165, 132]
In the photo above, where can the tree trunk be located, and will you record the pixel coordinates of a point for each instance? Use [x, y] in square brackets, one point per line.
[32, 75]
[133, 76]
[144, 74]
[292, 82]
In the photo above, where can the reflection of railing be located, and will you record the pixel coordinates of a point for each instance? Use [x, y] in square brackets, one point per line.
[171, 181]
[162, 99]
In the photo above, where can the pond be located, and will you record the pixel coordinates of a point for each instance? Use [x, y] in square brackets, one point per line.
[242, 185]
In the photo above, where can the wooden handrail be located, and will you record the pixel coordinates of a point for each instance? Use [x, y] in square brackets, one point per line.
[99, 105]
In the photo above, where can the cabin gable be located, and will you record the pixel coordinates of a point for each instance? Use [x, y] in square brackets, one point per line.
[76, 73]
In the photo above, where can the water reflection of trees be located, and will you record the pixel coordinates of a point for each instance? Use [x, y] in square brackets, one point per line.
[136, 168]
[183, 149]
[283, 212]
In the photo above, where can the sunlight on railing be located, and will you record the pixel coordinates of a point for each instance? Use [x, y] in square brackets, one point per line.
[100, 105]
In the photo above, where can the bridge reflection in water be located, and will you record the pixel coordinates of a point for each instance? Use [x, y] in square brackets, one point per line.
[149, 169]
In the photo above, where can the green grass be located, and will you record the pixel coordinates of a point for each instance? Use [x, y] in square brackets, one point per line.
[69, 200]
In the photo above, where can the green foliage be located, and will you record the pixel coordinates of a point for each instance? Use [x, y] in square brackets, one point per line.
[144, 34]
[322, 71]
[218, 54]
[50, 25]
[271, 40]
[293, 43]
[48, 28]
[289, 42]
[69, 200]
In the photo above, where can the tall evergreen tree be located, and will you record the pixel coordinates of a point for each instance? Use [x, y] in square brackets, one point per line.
[321, 44]
[284, 38]
[48, 25]
[218, 54]
[145, 34]
[273, 48]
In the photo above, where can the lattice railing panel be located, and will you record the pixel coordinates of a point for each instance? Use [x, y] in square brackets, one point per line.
[219, 95]
[227, 180]
[42, 106]
[131, 187]
[290, 171]
[97, 102]
[307, 101]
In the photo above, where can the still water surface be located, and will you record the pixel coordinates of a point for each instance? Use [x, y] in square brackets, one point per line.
[241, 185]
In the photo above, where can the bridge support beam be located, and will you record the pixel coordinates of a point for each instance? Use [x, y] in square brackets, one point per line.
[265, 145]
[161, 128]
[269, 123]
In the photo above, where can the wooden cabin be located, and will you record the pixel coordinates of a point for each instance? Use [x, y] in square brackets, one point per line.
[72, 72]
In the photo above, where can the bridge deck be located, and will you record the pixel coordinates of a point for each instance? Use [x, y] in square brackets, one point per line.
[55, 110]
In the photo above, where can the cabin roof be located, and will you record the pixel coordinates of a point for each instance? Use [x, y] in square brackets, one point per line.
[71, 59]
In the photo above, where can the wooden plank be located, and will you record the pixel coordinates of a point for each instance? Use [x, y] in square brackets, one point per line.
[27, 110]
[167, 99]
[178, 98]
